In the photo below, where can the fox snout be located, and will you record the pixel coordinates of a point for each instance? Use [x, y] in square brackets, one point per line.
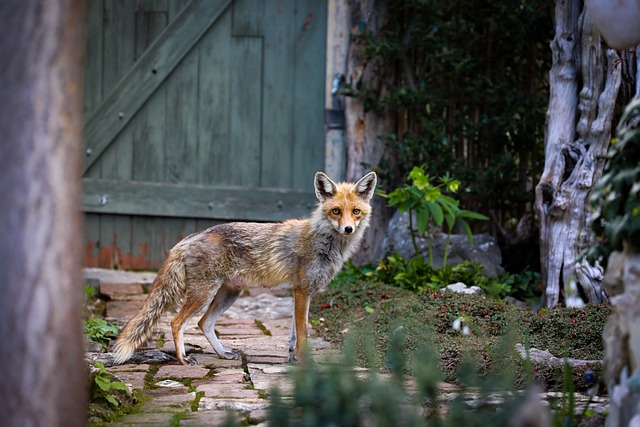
[348, 229]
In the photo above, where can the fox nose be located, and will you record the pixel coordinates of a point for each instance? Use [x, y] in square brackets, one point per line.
[348, 229]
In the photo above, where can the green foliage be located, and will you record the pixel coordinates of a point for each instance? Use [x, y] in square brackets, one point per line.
[616, 199]
[416, 275]
[106, 385]
[572, 332]
[99, 330]
[470, 81]
[432, 207]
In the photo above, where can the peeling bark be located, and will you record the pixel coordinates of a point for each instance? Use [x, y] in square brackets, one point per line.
[364, 127]
[576, 143]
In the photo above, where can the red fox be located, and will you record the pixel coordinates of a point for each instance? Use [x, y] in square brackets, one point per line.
[206, 271]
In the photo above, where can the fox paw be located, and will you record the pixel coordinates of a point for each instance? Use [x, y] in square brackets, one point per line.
[292, 357]
[190, 360]
[230, 354]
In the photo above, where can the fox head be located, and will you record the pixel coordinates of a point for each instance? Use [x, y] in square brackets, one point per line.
[345, 205]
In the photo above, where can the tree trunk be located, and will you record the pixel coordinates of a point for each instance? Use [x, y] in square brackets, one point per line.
[364, 127]
[574, 152]
[43, 375]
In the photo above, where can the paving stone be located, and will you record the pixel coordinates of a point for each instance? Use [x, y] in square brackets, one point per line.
[227, 391]
[267, 359]
[237, 322]
[210, 360]
[181, 372]
[130, 367]
[124, 310]
[105, 275]
[132, 379]
[146, 419]
[239, 330]
[258, 416]
[278, 327]
[266, 377]
[169, 403]
[208, 404]
[166, 391]
[121, 291]
[205, 418]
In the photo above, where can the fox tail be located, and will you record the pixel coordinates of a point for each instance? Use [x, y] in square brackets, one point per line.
[167, 288]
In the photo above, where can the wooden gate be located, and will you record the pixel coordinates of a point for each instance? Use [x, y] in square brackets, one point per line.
[198, 112]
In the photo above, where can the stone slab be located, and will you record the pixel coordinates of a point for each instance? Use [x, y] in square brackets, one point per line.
[205, 418]
[124, 310]
[104, 275]
[227, 391]
[210, 360]
[132, 379]
[181, 372]
[121, 291]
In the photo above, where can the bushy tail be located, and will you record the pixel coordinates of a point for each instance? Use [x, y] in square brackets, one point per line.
[167, 288]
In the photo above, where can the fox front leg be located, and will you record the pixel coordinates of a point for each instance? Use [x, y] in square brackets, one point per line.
[301, 299]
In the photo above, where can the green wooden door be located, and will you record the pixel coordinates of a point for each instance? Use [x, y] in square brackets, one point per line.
[198, 112]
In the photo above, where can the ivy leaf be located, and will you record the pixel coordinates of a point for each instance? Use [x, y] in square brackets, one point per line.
[103, 383]
[111, 400]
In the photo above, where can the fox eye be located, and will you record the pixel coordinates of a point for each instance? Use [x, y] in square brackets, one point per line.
[336, 211]
[356, 211]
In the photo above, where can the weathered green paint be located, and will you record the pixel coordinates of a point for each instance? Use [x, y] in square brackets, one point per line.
[194, 201]
[222, 119]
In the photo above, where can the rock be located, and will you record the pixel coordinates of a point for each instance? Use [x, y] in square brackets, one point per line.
[485, 250]
[95, 276]
[461, 288]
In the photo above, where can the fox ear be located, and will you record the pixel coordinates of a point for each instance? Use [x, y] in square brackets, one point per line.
[366, 186]
[325, 188]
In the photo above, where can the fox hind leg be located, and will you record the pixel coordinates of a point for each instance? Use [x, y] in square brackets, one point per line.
[225, 297]
[192, 305]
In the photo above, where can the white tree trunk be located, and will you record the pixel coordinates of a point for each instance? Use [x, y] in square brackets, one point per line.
[576, 143]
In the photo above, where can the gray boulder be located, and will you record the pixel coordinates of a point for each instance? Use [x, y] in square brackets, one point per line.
[485, 250]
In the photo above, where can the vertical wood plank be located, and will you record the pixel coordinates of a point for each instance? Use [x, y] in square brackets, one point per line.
[116, 161]
[309, 91]
[92, 97]
[277, 103]
[148, 141]
[245, 111]
[247, 18]
[213, 108]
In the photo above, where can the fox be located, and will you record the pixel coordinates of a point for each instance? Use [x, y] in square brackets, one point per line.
[205, 272]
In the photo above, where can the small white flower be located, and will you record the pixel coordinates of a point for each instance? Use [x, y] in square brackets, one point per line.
[456, 324]
[466, 330]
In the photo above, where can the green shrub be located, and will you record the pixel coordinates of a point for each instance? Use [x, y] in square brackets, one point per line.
[494, 327]
[99, 330]
[416, 275]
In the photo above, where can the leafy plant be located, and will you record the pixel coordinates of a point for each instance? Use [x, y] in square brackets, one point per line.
[616, 199]
[432, 207]
[99, 330]
[107, 385]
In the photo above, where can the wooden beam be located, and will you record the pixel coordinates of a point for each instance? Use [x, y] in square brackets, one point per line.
[148, 73]
[194, 201]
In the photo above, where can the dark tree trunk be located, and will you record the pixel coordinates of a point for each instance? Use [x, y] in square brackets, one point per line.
[364, 127]
[43, 375]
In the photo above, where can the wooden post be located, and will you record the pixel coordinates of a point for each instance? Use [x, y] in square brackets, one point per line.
[338, 33]
[43, 374]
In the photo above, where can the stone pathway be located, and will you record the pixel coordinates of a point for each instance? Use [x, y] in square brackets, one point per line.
[257, 326]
